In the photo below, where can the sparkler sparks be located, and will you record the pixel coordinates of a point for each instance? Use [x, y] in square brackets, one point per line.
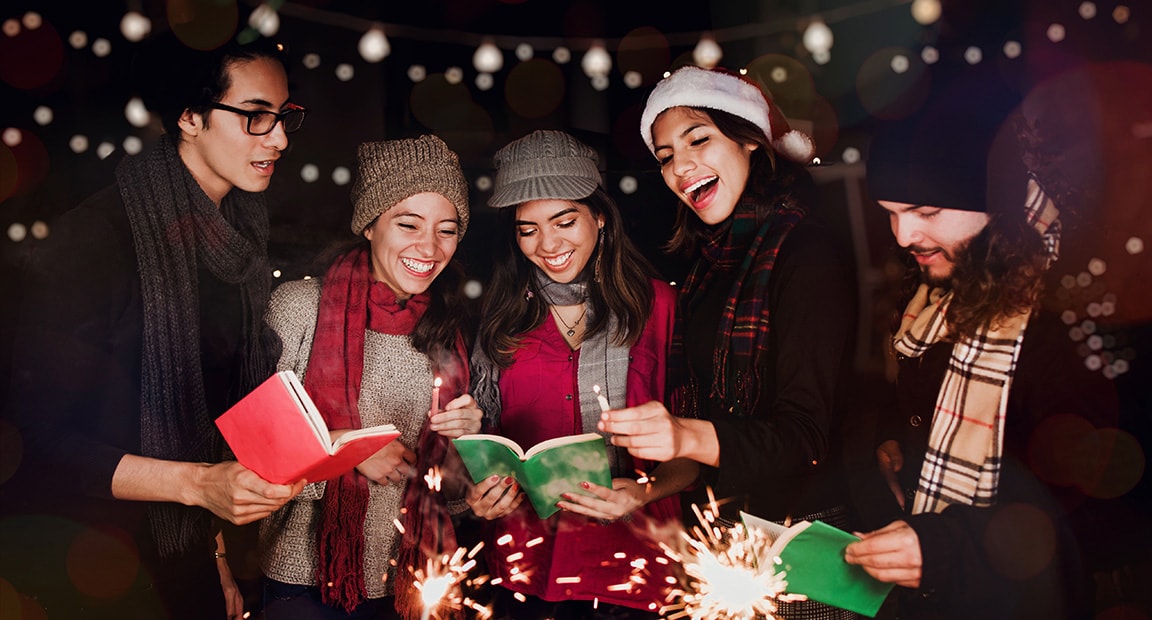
[439, 584]
[722, 577]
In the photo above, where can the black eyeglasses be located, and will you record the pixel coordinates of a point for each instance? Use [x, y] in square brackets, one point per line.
[261, 122]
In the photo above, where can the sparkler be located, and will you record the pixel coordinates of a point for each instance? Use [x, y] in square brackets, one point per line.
[439, 583]
[723, 578]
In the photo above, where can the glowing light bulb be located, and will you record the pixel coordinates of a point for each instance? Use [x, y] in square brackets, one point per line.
[488, 58]
[374, 46]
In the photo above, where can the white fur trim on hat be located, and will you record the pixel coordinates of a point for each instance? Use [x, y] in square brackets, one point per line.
[694, 87]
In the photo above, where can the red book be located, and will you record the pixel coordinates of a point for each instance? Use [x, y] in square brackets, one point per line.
[277, 432]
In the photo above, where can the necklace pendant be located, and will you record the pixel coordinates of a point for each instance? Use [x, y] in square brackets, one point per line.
[571, 333]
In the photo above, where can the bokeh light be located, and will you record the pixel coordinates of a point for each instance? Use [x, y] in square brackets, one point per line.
[30, 57]
[341, 175]
[926, 12]
[78, 39]
[132, 145]
[596, 61]
[473, 289]
[78, 143]
[203, 24]
[104, 149]
[345, 72]
[136, 113]
[101, 564]
[101, 47]
[135, 26]
[265, 20]
[534, 89]
[417, 73]
[644, 51]
[374, 46]
[17, 232]
[488, 58]
[524, 51]
[1019, 541]
[889, 95]
[311, 60]
[454, 75]
[309, 173]
[707, 52]
[43, 115]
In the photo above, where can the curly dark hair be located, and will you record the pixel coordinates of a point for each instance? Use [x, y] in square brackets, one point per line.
[998, 273]
[773, 179]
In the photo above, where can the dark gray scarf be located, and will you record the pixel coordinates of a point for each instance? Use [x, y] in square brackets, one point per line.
[602, 362]
[175, 227]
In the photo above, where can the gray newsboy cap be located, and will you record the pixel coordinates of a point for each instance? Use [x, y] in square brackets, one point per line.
[545, 164]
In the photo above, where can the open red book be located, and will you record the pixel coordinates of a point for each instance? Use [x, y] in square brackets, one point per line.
[276, 431]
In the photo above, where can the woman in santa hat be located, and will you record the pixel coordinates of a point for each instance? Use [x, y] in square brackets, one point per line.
[765, 315]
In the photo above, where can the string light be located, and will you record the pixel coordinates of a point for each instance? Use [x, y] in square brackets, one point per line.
[488, 58]
[596, 61]
[926, 12]
[135, 26]
[817, 36]
[707, 52]
[374, 46]
[265, 20]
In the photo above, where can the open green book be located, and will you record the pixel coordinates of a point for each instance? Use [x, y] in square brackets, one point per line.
[811, 554]
[547, 470]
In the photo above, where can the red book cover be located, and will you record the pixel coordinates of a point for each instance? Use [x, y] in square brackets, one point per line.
[276, 431]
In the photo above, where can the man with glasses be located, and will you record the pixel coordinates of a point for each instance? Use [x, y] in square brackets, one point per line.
[141, 321]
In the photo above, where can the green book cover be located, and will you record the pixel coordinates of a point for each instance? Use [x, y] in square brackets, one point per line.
[544, 471]
[811, 554]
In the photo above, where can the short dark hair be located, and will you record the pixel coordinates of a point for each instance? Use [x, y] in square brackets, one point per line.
[173, 77]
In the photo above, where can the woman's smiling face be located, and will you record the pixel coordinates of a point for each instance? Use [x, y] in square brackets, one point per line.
[706, 169]
[412, 242]
[558, 236]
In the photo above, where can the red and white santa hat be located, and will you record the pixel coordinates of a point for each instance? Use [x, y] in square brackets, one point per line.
[717, 89]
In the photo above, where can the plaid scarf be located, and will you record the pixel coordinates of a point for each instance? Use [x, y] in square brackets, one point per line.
[966, 442]
[742, 335]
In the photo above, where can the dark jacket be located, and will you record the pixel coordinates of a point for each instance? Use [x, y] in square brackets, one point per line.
[1023, 557]
[75, 402]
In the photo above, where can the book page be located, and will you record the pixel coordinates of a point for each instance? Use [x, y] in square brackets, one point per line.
[353, 435]
[307, 408]
[500, 439]
[561, 441]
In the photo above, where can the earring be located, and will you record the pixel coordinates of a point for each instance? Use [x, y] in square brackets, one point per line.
[599, 253]
[528, 294]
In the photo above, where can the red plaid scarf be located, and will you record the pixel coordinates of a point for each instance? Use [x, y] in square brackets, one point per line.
[742, 335]
[966, 442]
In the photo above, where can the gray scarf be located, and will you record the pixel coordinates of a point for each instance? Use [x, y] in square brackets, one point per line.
[601, 362]
[175, 228]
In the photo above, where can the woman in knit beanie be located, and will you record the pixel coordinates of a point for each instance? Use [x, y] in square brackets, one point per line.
[765, 315]
[572, 304]
[368, 340]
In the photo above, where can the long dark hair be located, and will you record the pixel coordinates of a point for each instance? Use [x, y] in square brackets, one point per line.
[771, 179]
[999, 273]
[624, 289]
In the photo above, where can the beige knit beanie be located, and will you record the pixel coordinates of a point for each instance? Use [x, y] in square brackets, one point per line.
[392, 170]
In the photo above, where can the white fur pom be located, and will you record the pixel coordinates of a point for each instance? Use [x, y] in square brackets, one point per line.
[795, 145]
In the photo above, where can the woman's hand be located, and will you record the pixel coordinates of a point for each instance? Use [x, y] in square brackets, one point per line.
[494, 497]
[649, 432]
[392, 463]
[461, 416]
[625, 496]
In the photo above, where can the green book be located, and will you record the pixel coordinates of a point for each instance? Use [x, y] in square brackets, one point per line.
[547, 470]
[811, 555]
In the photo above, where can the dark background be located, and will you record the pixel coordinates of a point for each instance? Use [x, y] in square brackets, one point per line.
[1089, 92]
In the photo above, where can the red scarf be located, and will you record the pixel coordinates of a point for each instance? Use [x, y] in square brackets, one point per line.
[350, 302]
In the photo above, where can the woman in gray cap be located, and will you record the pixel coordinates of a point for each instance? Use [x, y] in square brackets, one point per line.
[572, 304]
[368, 341]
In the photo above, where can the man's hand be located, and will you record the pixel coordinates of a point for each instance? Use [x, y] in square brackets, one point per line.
[625, 496]
[890, 554]
[235, 493]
